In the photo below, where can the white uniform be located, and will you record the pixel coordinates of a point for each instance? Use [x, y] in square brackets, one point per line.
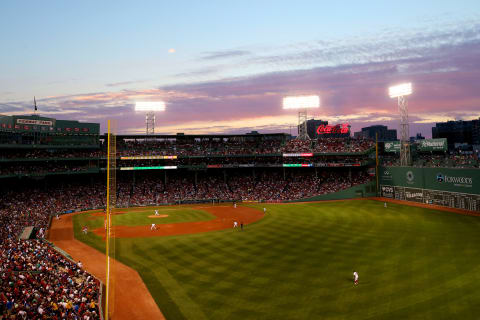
[385, 204]
[235, 224]
[235, 205]
[153, 227]
[355, 277]
[156, 212]
[264, 210]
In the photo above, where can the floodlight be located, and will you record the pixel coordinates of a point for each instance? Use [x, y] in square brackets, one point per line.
[401, 92]
[301, 102]
[150, 106]
[403, 89]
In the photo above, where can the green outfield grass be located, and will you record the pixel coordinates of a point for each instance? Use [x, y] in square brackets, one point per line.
[297, 263]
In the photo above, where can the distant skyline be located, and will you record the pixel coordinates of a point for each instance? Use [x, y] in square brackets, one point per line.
[224, 67]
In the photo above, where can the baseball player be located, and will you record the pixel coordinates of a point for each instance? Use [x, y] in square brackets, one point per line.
[235, 205]
[153, 227]
[355, 278]
[156, 212]
[384, 204]
[235, 224]
[264, 210]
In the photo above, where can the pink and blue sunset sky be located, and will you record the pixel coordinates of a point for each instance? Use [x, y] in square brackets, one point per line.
[223, 67]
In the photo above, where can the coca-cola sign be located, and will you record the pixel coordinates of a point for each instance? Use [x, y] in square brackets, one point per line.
[329, 129]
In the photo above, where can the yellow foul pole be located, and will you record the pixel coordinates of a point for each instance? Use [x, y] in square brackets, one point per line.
[107, 217]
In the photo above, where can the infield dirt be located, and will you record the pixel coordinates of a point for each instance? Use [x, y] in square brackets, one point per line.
[224, 218]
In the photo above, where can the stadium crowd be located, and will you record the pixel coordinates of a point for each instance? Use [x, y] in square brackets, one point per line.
[227, 147]
[41, 168]
[50, 153]
[39, 283]
[213, 147]
[36, 282]
[444, 160]
[266, 186]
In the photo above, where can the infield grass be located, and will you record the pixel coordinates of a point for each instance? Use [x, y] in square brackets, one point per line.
[297, 263]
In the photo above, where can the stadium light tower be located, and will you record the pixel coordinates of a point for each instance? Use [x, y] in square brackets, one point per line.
[150, 107]
[401, 92]
[302, 103]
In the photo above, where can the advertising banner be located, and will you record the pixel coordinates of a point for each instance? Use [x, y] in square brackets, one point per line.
[298, 154]
[387, 191]
[35, 122]
[415, 195]
[432, 145]
[401, 176]
[392, 146]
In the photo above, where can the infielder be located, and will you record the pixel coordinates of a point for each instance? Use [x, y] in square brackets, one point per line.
[235, 206]
[235, 224]
[264, 210]
[153, 227]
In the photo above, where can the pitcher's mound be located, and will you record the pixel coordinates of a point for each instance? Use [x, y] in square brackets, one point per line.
[159, 216]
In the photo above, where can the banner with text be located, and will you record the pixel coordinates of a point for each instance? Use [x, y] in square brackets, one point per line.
[432, 145]
[392, 146]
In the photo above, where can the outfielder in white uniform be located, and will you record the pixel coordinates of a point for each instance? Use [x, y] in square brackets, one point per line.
[153, 227]
[384, 204]
[355, 278]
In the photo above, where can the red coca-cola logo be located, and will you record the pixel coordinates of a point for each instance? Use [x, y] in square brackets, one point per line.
[339, 128]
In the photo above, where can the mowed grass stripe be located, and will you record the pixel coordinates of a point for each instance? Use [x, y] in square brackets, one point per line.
[297, 263]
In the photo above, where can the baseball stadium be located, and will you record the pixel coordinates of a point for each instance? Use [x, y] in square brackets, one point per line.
[257, 226]
[233, 160]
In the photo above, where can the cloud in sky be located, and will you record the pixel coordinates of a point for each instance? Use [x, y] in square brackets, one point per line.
[351, 77]
[124, 83]
[224, 54]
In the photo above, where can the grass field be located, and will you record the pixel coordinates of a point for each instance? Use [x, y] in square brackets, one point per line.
[297, 263]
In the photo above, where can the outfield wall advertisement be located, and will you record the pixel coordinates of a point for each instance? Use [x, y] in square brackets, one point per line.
[456, 188]
[445, 179]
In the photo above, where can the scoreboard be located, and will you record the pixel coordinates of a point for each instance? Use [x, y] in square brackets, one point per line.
[457, 200]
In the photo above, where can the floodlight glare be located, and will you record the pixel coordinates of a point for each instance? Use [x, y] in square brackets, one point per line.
[150, 106]
[403, 89]
[301, 102]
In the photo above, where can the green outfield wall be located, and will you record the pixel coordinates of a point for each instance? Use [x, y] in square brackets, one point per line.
[444, 179]
[456, 188]
[361, 190]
